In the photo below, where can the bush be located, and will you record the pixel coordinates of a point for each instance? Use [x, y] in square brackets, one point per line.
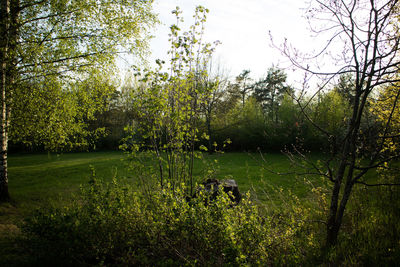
[111, 224]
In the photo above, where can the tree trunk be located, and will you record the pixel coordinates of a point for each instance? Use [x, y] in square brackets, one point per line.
[4, 194]
[4, 43]
[335, 219]
[209, 133]
[332, 227]
[10, 12]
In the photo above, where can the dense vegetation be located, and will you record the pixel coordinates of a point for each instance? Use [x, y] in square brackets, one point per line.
[341, 142]
[290, 209]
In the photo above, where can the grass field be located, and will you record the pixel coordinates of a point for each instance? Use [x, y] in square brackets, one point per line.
[36, 179]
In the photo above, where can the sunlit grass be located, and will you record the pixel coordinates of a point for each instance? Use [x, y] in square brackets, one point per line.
[43, 179]
[34, 179]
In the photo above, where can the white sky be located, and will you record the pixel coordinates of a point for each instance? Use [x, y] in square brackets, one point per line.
[242, 26]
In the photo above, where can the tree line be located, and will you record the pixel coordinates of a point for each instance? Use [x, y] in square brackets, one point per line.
[253, 114]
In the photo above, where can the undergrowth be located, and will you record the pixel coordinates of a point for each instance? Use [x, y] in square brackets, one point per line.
[113, 224]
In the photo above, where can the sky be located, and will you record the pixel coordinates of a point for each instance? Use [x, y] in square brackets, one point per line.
[243, 29]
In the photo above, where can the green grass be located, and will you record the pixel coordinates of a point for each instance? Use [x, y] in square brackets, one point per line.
[36, 179]
[261, 175]
[44, 175]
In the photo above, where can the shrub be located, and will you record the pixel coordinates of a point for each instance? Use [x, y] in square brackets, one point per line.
[112, 224]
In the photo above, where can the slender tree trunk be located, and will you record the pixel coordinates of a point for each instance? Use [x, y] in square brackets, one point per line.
[4, 194]
[348, 161]
[336, 214]
[4, 43]
[332, 227]
[9, 26]
[209, 133]
[333, 224]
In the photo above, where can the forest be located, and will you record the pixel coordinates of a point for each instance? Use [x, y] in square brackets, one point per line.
[179, 163]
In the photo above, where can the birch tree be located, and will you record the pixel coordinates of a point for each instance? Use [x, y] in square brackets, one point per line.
[46, 45]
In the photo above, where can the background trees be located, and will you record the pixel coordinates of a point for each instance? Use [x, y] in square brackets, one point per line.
[269, 92]
[215, 85]
[242, 86]
[47, 47]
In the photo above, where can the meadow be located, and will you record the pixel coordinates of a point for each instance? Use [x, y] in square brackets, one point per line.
[37, 180]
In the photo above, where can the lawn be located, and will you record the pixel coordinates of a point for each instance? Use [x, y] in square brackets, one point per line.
[36, 179]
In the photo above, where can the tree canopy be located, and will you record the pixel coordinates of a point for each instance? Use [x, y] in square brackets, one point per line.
[48, 49]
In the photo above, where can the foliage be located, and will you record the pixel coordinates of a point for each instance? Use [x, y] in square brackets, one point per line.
[168, 105]
[63, 51]
[250, 128]
[69, 34]
[241, 87]
[47, 48]
[111, 224]
[331, 112]
[63, 124]
[267, 120]
[387, 110]
[118, 113]
[363, 229]
[245, 127]
[345, 87]
[367, 60]
[269, 91]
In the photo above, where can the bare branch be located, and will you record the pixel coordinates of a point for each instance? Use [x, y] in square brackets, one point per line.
[371, 185]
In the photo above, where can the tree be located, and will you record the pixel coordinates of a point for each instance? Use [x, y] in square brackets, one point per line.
[387, 109]
[331, 113]
[270, 91]
[168, 107]
[242, 86]
[56, 119]
[369, 52]
[215, 85]
[345, 87]
[47, 45]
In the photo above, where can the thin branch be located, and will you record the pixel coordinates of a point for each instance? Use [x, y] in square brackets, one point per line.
[49, 16]
[378, 164]
[371, 185]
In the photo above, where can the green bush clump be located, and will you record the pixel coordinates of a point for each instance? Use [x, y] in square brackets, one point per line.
[112, 224]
